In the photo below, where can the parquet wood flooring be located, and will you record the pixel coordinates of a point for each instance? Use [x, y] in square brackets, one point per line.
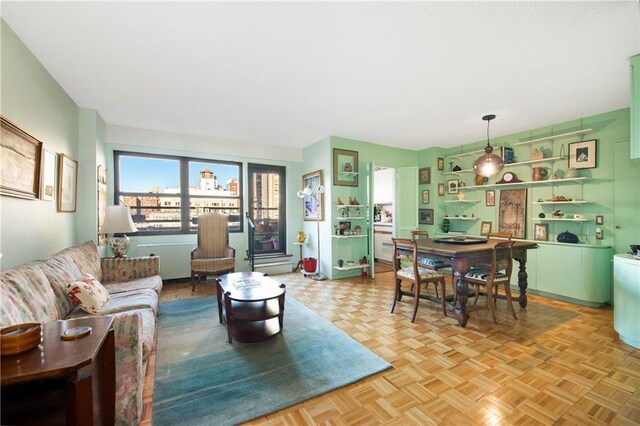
[558, 364]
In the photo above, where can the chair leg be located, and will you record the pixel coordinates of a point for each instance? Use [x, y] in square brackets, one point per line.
[477, 294]
[396, 296]
[444, 295]
[492, 306]
[193, 283]
[507, 290]
[416, 299]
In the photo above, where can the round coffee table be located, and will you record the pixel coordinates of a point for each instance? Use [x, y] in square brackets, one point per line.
[251, 305]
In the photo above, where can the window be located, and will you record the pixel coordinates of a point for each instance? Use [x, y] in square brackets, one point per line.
[166, 194]
[267, 208]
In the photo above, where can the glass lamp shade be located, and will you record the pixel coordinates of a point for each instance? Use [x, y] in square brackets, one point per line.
[488, 164]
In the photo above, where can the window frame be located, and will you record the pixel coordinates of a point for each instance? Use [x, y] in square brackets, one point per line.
[282, 205]
[184, 196]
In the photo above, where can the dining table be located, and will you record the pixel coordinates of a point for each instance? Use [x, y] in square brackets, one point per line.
[461, 253]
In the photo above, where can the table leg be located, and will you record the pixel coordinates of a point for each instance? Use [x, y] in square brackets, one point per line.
[522, 279]
[79, 400]
[109, 377]
[461, 295]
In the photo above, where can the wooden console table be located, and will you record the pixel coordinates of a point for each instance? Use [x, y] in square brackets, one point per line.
[251, 305]
[81, 371]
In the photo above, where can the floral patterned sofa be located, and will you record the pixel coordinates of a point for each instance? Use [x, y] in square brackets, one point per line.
[36, 292]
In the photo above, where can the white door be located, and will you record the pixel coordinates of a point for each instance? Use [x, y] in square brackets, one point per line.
[406, 214]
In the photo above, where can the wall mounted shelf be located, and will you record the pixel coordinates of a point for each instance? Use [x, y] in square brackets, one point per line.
[549, 219]
[463, 218]
[340, 237]
[562, 202]
[527, 183]
[351, 267]
[349, 217]
[468, 154]
[555, 137]
[461, 201]
[540, 160]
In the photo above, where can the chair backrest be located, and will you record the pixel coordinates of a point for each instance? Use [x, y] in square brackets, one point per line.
[213, 234]
[415, 235]
[506, 235]
[400, 254]
[502, 258]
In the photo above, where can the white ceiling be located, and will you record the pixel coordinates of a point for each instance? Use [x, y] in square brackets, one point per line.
[405, 74]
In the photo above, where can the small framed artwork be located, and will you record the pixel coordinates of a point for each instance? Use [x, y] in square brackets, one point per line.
[426, 216]
[490, 197]
[583, 155]
[441, 189]
[513, 212]
[67, 184]
[599, 219]
[425, 175]
[452, 186]
[485, 228]
[345, 167]
[48, 186]
[345, 227]
[440, 164]
[541, 232]
[313, 207]
[425, 196]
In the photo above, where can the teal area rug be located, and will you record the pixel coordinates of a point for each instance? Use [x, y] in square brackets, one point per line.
[202, 380]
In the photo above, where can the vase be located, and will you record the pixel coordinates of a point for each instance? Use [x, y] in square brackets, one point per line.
[301, 236]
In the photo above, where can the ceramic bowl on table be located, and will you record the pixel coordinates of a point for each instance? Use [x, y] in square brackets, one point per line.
[19, 338]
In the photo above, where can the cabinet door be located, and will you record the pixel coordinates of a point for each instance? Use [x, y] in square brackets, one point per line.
[559, 270]
[596, 274]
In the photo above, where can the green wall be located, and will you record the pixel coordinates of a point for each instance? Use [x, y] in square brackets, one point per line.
[32, 99]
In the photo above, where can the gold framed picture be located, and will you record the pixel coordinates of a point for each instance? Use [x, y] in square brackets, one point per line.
[345, 167]
[312, 207]
[67, 184]
[21, 162]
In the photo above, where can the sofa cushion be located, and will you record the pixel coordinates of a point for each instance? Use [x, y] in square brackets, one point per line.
[153, 282]
[86, 258]
[125, 301]
[60, 271]
[26, 296]
[88, 294]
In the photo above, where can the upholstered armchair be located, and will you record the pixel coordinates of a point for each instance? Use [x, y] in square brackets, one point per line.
[213, 255]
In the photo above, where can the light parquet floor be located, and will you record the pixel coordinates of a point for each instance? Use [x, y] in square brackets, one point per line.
[558, 364]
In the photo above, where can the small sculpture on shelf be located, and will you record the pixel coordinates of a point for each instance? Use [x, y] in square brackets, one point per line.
[557, 213]
[445, 225]
[353, 201]
[339, 202]
[364, 261]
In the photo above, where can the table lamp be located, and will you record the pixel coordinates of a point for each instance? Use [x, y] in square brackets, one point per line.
[117, 221]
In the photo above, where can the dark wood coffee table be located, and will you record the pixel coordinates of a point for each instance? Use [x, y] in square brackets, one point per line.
[251, 305]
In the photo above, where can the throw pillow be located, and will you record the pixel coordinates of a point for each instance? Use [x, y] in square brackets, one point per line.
[88, 293]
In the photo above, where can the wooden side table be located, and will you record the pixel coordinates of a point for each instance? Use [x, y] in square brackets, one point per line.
[81, 370]
[300, 262]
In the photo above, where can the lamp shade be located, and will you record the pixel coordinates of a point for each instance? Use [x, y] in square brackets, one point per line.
[489, 164]
[117, 220]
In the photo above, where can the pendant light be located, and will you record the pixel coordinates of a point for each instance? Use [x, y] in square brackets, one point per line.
[489, 164]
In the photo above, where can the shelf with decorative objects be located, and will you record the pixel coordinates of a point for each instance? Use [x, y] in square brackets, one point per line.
[559, 219]
[462, 218]
[461, 201]
[538, 160]
[527, 183]
[350, 236]
[576, 202]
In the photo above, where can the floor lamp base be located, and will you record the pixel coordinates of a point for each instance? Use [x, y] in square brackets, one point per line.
[319, 277]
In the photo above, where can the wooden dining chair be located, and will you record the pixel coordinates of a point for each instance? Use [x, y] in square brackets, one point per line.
[434, 264]
[417, 274]
[494, 275]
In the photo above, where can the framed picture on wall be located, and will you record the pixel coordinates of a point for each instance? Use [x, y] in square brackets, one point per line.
[425, 175]
[452, 186]
[440, 163]
[313, 209]
[485, 228]
[426, 216]
[425, 196]
[48, 187]
[67, 184]
[440, 189]
[541, 232]
[583, 155]
[345, 167]
[513, 212]
[490, 197]
[21, 156]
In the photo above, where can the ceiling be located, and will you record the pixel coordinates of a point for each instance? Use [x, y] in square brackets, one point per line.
[405, 74]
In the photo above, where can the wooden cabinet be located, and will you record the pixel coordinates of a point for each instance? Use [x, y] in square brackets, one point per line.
[635, 107]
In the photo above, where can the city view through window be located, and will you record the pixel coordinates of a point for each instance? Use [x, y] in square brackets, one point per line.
[167, 194]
